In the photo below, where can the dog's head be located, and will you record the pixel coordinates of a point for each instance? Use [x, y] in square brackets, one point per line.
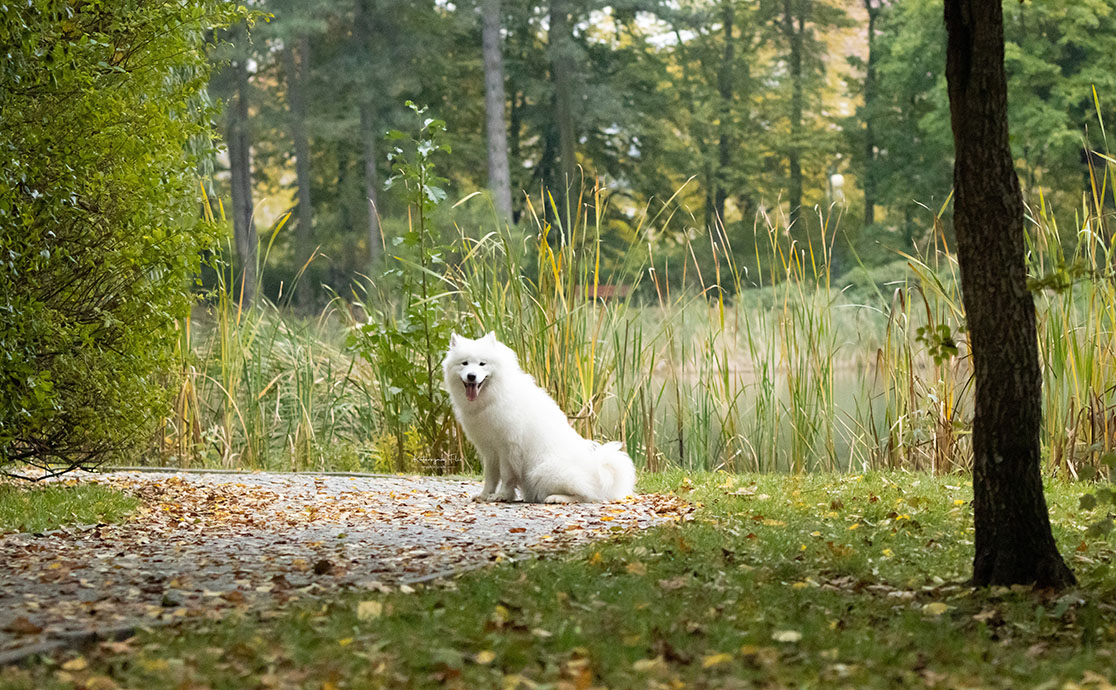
[470, 365]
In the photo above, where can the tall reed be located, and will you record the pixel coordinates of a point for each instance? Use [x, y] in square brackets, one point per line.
[690, 361]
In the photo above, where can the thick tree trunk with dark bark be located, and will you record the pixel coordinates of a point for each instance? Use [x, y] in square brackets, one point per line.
[240, 171]
[561, 74]
[1014, 544]
[499, 177]
[297, 58]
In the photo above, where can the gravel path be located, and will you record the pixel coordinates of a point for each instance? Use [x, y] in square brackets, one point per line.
[202, 544]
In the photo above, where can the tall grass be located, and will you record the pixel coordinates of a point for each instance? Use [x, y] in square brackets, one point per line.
[263, 388]
[691, 362]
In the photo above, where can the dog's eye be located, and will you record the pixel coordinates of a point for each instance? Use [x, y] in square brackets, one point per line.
[482, 364]
[465, 363]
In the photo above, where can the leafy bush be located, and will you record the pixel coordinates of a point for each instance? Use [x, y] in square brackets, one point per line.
[105, 121]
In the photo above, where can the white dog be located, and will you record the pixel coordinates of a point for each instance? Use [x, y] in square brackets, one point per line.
[522, 435]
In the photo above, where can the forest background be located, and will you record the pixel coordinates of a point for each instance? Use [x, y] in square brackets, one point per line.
[732, 110]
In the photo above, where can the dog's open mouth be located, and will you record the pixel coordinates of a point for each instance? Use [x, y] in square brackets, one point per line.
[472, 389]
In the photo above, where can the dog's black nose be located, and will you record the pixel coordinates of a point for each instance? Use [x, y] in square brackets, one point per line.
[470, 377]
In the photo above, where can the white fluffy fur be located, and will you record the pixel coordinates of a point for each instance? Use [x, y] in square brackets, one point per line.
[522, 435]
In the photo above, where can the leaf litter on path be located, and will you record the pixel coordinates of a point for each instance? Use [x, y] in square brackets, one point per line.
[204, 544]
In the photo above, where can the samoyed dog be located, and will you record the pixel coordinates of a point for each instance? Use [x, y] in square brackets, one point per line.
[522, 435]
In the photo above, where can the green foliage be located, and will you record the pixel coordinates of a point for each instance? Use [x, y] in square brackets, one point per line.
[41, 507]
[939, 341]
[105, 123]
[404, 338]
[1056, 53]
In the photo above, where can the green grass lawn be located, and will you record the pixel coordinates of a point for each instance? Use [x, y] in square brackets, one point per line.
[40, 507]
[812, 581]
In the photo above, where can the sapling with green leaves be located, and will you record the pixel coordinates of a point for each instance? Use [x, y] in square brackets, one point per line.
[404, 338]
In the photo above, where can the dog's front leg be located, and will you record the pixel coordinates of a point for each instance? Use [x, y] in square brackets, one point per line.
[491, 479]
[509, 482]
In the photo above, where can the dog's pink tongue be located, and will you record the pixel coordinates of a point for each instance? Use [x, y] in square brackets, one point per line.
[471, 391]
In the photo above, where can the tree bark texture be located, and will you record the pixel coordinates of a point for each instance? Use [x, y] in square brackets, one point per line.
[561, 74]
[725, 79]
[297, 58]
[869, 182]
[371, 183]
[499, 176]
[240, 171]
[794, 14]
[366, 43]
[1014, 544]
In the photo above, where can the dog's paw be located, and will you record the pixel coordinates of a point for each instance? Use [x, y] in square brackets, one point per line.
[502, 497]
[560, 498]
[483, 497]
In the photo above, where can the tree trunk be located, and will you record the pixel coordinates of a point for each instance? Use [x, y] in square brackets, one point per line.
[869, 182]
[1014, 544]
[724, 87]
[240, 170]
[499, 177]
[365, 27]
[297, 58]
[371, 183]
[794, 158]
[561, 73]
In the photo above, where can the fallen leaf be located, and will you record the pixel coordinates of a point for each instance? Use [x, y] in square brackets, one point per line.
[22, 626]
[715, 660]
[485, 657]
[76, 664]
[675, 582]
[369, 610]
[786, 636]
[644, 665]
[100, 683]
[936, 608]
[636, 568]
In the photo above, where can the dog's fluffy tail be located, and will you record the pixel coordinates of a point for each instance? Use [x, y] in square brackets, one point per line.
[616, 473]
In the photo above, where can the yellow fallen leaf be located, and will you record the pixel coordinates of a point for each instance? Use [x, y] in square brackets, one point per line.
[100, 683]
[345, 641]
[368, 610]
[485, 656]
[636, 568]
[936, 608]
[774, 523]
[855, 525]
[75, 664]
[715, 660]
[595, 558]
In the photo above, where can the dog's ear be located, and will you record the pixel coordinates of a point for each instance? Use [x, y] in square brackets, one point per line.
[490, 337]
[455, 339]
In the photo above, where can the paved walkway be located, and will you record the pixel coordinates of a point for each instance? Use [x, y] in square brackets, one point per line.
[202, 544]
